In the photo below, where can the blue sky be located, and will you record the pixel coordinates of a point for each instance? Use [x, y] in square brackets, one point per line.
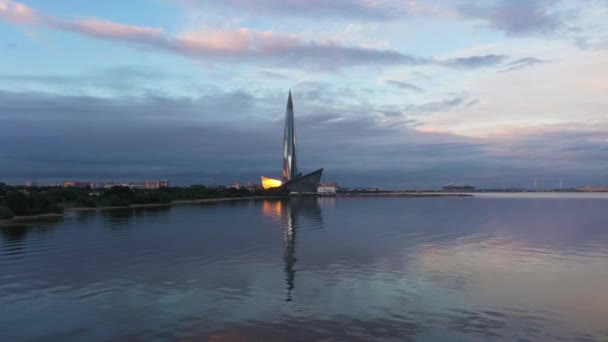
[387, 93]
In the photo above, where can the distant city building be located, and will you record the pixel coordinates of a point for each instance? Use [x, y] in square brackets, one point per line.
[156, 184]
[253, 187]
[30, 184]
[237, 186]
[75, 184]
[150, 185]
[327, 189]
[366, 189]
[114, 185]
[137, 185]
[97, 185]
[459, 187]
[593, 189]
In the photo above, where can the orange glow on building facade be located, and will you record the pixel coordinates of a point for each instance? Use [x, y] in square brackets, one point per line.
[269, 183]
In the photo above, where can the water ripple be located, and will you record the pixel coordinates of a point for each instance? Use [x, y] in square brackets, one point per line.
[303, 269]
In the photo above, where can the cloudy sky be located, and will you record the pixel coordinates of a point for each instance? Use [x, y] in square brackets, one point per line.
[390, 93]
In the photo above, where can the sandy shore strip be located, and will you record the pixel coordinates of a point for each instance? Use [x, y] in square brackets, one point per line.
[174, 203]
[30, 218]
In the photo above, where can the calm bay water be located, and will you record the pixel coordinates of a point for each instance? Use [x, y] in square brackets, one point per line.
[394, 269]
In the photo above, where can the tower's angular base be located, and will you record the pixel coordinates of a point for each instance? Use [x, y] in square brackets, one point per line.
[306, 183]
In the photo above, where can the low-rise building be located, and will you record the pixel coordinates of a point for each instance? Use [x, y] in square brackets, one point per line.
[116, 185]
[366, 189]
[156, 184]
[137, 185]
[327, 189]
[458, 188]
[253, 187]
[75, 184]
[237, 186]
[97, 185]
[592, 189]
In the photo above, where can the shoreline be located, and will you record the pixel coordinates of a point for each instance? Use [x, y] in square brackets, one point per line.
[404, 194]
[42, 217]
[173, 203]
[30, 218]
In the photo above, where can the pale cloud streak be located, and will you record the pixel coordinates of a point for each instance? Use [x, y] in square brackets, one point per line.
[569, 89]
[514, 17]
[518, 17]
[522, 63]
[476, 61]
[372, 10]
[405, 86]
[287, 50]
[366, 10]
[231, 45]
[109, 30]
[20, 14]
[240, 45]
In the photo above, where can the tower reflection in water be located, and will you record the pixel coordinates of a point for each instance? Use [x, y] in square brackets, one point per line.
[295, 214]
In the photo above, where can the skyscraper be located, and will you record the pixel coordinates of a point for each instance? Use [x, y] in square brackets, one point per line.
[292, 179]
[290, 165]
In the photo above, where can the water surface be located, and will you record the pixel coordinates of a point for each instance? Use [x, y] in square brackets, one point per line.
[358, 269]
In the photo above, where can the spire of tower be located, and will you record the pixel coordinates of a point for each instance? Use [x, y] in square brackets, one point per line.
[290, 167]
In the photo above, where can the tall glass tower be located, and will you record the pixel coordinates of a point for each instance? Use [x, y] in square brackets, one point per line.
[290, 166]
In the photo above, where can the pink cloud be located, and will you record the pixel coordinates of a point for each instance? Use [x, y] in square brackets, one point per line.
[240, 40]
[243, 41]
[232, 45]
[262, 47]
[107, 30]
[18, 13]
[269, 47]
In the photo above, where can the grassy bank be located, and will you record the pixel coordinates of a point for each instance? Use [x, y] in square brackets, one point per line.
[43, 217]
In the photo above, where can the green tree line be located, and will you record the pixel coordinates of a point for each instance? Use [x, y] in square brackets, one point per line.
[23, 201]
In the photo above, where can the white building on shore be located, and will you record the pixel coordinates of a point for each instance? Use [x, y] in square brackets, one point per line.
[327, 189]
